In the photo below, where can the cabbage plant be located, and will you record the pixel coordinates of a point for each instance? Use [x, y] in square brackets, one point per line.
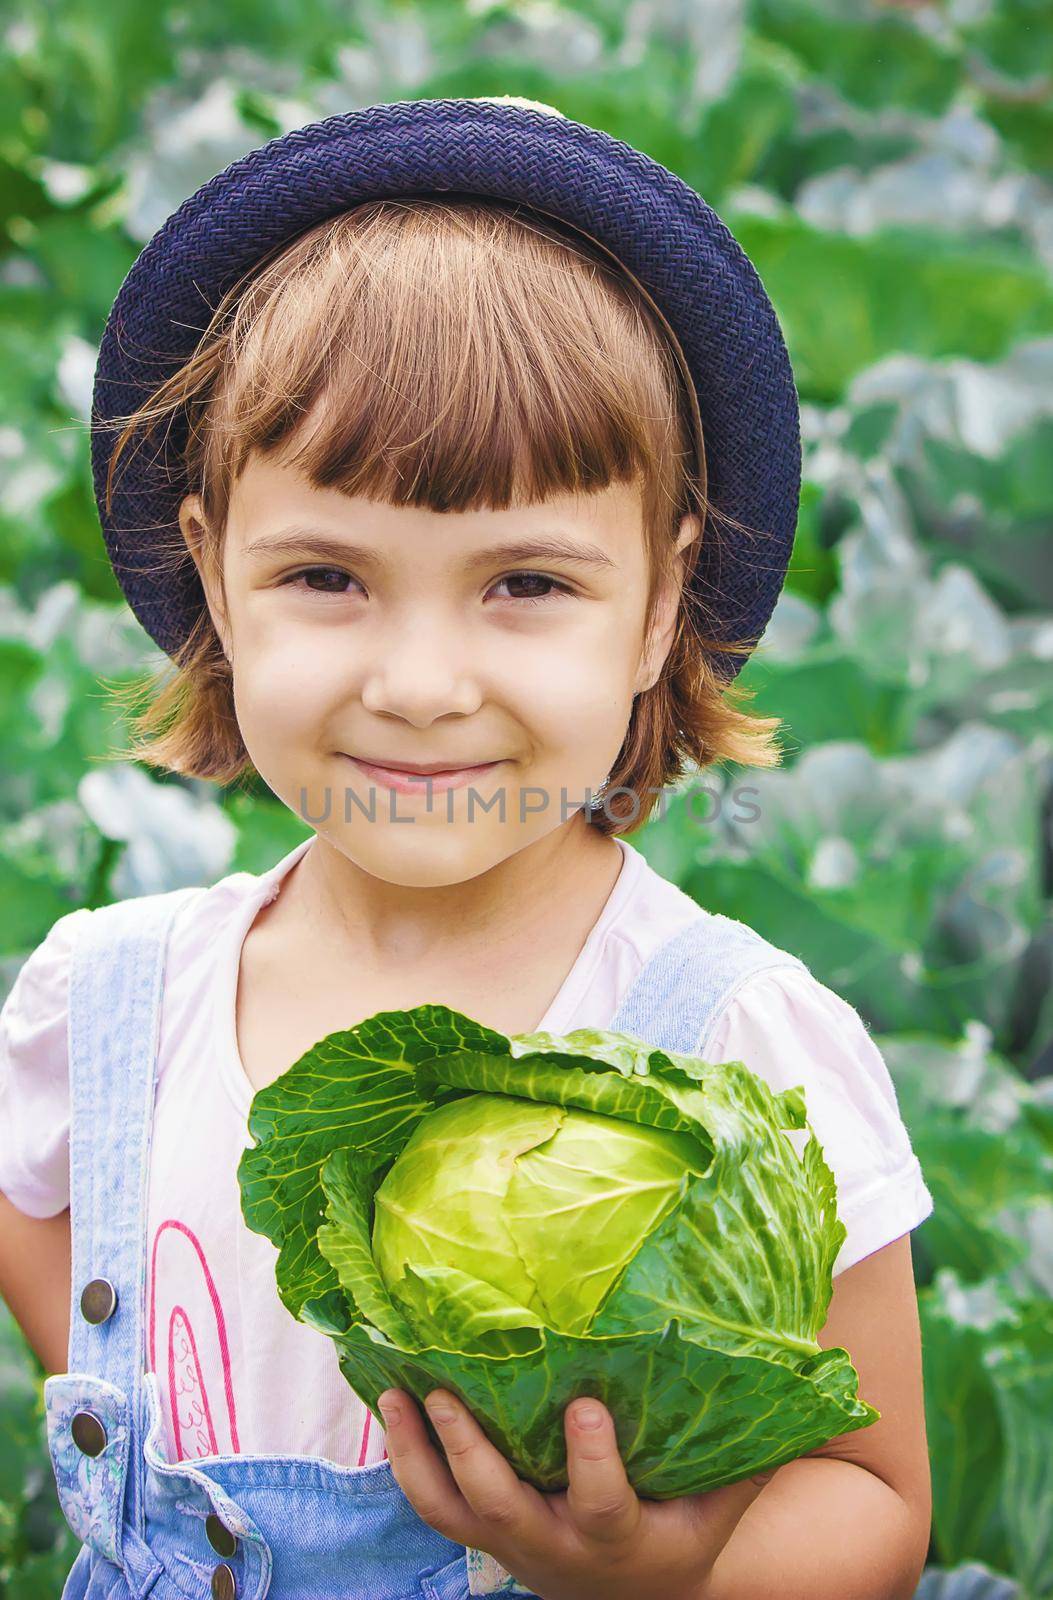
[526, 1219]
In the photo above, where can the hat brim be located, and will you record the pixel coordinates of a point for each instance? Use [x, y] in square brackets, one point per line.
[655, 223]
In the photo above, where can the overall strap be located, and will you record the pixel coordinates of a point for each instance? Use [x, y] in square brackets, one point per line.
[115, 989]
[679, 993]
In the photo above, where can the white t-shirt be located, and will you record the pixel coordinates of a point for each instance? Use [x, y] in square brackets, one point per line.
[236, 1372]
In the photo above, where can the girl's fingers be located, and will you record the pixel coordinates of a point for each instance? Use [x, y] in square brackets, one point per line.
[420, 1473]
[601, 1500]
[488, 1482]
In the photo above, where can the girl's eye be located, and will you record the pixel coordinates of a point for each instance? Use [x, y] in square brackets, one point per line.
[535, 578]
[297, 579]
[301, 580]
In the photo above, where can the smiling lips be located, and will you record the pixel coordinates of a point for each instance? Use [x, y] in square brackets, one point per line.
[404, 781]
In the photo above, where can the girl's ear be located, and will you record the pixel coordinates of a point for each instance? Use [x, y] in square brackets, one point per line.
[193, 528]
[661, 636]
[690, 531]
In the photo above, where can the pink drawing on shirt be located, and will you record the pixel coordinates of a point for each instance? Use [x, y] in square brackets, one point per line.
[190, 1300]
[187, 1395]
[363, 1449]
[186, 1272]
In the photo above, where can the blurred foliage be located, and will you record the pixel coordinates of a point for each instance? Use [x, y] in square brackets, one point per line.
[887, 167]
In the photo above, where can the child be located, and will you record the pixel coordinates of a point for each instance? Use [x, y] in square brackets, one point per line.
[471, 479]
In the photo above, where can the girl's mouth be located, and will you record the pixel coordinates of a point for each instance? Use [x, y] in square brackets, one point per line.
[417, 783]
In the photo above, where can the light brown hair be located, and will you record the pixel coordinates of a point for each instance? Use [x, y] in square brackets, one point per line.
[459, 353]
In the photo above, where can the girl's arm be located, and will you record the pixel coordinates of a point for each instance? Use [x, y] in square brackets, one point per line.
[823, 1530]
[35, 1279]
[851, 1520]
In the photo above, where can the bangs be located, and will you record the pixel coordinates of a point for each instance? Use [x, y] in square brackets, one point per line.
[453, 355]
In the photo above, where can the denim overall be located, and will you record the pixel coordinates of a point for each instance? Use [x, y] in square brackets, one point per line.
[239, 1527]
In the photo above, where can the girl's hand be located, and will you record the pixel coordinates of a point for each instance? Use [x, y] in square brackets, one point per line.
[597, 1537]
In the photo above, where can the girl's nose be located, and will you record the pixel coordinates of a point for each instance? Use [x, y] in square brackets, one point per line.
[422, 673]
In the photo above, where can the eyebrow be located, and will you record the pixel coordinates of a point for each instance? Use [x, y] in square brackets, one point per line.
[301, 541]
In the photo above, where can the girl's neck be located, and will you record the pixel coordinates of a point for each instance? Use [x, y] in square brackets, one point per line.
[515, 900]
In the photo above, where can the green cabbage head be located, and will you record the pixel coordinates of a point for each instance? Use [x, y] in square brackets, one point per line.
[526, 1219]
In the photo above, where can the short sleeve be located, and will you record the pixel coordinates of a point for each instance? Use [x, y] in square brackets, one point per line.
[791, 1029]
[34, 1075]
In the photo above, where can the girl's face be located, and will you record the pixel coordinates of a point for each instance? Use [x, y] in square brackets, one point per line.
[394, 635]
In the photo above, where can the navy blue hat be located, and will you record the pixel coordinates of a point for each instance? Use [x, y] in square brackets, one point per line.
[655, 224]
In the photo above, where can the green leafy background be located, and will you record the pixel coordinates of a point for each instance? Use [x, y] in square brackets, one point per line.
[887, 166]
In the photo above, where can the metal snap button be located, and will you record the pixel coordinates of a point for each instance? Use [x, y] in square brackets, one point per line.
[89, 1435]
[219, 1536]
[223, 1587]
[98, 1300]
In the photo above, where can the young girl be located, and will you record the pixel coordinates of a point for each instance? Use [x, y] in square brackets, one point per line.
[450, 450]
